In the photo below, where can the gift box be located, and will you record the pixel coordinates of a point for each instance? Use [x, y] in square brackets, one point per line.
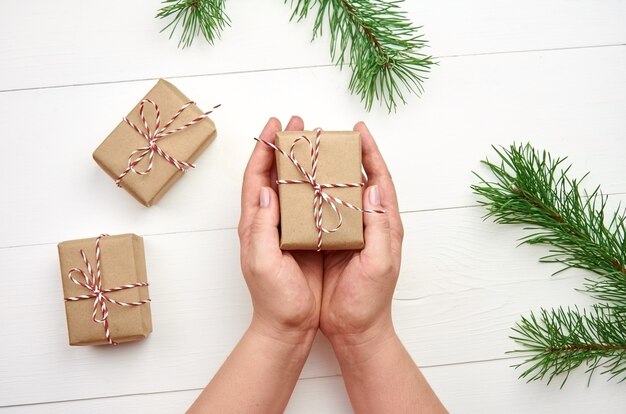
[105, 275]
[159, 139]
[338, 164]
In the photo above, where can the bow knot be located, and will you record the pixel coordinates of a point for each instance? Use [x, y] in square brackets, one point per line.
[152, 136]
[320, 197]
[92, 281]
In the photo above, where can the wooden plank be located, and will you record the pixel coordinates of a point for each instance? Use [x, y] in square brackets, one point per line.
[431, 146]
[126, 35]
[460, 28]
[462, 287]
[493, 387]
[489, 387]
[311, 396]
[124, 43]
[211, 302]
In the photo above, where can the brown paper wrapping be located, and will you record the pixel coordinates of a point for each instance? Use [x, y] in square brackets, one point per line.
[122, 262]
[186, 145]
[339, 162]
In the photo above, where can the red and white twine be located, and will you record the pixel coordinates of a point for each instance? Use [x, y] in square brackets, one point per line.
[93, 283]
[320, 196]
[152, 136]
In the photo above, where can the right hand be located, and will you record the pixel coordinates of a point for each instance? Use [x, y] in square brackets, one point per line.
[358, 285]
[286, 287]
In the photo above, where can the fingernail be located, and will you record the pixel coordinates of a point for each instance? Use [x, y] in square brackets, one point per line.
[374, 196]
[264, 197]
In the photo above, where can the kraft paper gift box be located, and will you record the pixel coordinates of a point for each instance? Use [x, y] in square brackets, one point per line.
[122, 264]
[339, 162]
[185, 145]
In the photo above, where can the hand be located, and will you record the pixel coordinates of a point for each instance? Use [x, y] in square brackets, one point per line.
[359, 285]
[286, 287]
[261, 372]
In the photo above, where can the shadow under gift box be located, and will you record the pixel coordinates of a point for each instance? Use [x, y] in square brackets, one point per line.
[339, 161]
[185, 145]
[122, 262]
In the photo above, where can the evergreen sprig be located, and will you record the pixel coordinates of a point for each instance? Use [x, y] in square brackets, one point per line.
[379, 42]
[206, 17]
[560, 340]
[534, 189]
[374, 37]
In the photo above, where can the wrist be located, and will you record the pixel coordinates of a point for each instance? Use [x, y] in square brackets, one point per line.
[296, 336]
[358, 347]
[285, 350]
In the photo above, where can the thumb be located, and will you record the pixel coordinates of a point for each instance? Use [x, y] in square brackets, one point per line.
[264, 231]
[377, 232]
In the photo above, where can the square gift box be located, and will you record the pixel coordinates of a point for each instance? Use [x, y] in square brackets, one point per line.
[146, 153]
[106, 274]
[339, 162]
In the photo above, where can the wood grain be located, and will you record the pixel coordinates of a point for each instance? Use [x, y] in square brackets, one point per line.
[455, 303]
[120, 40]
[546, 72]
[431, 146]
[481, 387]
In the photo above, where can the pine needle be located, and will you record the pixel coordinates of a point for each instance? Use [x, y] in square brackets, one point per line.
[206, 17]
[561, 340]
[380, 44]
[374, 37]
[534, 189]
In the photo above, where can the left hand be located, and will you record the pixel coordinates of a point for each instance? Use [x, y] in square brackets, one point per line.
[359, 284]
[286, 287]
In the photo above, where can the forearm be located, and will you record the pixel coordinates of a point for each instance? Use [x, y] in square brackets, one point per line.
[258, 376]
[380, 376]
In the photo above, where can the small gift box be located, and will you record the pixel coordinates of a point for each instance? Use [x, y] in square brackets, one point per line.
[320, 190]
[106, 290]
[158, 140]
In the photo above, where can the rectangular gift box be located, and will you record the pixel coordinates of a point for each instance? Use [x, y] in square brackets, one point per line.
[339, 162]
[185, 145]
[122, 262]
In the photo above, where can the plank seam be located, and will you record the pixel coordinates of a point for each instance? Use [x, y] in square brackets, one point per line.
[236, 72]
[551, 49]
[198, 389]
[404, 212]
[495, 53]
[136, 394]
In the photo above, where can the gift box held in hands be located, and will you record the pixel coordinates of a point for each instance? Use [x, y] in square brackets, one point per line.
[156, 142]
[105, 289]
[320, 188]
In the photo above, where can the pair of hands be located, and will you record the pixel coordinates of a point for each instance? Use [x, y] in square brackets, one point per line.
[346, 294]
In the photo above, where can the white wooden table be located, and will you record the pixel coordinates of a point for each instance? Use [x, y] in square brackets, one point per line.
[549, 72]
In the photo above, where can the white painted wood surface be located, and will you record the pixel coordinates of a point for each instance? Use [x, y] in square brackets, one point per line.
[66, 78]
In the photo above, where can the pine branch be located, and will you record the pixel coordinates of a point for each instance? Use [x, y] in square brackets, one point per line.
[533, 188]
[381, 43]
[559, 341]
[206, 17]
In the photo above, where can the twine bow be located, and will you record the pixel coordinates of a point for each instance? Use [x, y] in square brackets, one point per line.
[152, 136]
[319, 195]
[93, 283]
